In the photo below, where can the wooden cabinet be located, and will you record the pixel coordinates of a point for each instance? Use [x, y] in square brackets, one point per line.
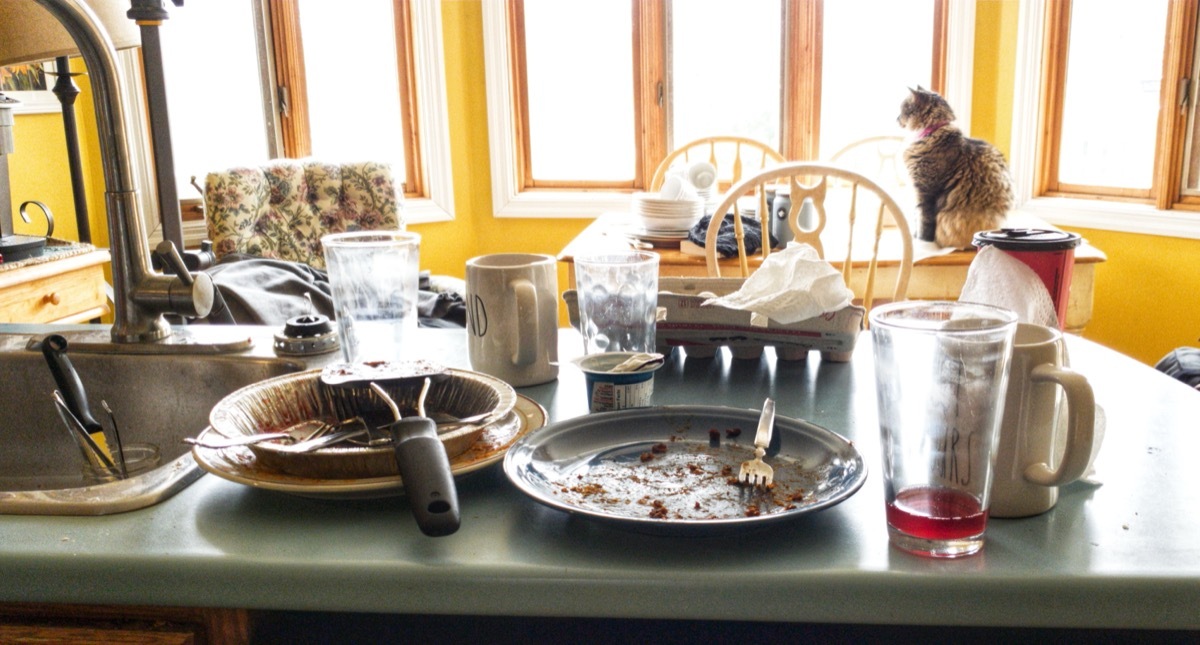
[67, 290]
[54, 623]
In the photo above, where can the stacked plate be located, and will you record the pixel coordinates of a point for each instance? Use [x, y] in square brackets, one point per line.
[660, 217]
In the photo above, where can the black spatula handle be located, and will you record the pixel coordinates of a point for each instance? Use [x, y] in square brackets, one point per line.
[425, 470]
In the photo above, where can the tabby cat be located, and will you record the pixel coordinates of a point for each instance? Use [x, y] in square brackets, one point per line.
[962, 184]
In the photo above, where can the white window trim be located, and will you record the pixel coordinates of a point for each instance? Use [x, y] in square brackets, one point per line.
[433, 132]
[1109, 215]
[507, 198]
[509, 201]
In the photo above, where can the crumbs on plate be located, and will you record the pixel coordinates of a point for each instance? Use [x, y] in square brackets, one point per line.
[685, 480]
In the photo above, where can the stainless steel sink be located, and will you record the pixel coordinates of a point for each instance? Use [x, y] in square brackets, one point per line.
[155, 398]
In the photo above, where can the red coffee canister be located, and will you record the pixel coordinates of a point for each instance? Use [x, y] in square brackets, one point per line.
[1050, 253]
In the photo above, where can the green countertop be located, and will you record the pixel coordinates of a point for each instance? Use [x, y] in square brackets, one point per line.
[1124, 554]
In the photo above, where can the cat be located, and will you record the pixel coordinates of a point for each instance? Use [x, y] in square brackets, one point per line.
[962, 184]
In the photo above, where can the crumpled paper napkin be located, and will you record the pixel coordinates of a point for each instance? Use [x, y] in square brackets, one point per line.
[997, 278]
[791, 285]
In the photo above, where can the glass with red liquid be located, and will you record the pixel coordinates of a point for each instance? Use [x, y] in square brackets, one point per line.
[941, 372]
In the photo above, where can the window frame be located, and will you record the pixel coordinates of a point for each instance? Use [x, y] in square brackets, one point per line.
[514, 196]
[429, 184]
[1037, 108]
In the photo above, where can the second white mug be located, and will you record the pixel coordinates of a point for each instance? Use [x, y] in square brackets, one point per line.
[512, 317]
[1037, 451]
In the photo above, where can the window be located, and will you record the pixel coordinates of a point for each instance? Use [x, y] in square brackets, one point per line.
[338, 99]
[579, 117]
[1104, 136]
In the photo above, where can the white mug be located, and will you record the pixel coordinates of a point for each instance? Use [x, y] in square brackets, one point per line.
[1037, 451]
[512, 317]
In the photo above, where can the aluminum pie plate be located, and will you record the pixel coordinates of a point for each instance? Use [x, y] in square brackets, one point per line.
[673, 469]
[242, 466]
[281, 402]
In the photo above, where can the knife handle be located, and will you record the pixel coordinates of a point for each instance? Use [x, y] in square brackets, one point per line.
[425, 471]
[54, 348]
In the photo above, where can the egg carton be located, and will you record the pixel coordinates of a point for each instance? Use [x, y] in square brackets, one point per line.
[701, 330]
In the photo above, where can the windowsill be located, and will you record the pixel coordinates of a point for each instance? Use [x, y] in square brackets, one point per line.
[1123, 217]
[563, 204]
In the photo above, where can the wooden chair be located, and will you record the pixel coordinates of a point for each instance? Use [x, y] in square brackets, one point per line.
[732, 156]
[844, 193]
[880, 158]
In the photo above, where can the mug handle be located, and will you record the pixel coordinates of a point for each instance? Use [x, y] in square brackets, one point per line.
[527, 322]
[1081, 424]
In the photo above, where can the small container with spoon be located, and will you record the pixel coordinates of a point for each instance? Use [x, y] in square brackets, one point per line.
[619, 380]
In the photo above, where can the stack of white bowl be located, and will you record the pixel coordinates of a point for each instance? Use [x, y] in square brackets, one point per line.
[662, 217]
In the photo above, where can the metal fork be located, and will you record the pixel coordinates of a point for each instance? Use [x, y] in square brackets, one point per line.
[754, 471]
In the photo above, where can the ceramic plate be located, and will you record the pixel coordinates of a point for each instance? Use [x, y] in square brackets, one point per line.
[673, 469]
[240, 465]
[657, 236]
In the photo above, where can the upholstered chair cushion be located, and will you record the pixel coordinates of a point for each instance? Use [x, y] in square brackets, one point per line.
[281, 210]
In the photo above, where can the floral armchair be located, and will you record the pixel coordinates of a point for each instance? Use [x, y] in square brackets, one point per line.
[281, 210]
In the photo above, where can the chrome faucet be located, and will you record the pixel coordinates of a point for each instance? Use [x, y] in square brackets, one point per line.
[140, 295]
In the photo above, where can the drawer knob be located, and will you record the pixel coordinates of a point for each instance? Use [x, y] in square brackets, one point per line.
[52, 298]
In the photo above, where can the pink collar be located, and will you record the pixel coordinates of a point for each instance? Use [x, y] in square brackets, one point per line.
[931, 129]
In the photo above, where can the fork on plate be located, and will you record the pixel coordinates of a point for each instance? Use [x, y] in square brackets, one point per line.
[754, 471]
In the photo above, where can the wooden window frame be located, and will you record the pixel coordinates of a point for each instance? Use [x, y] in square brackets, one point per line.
[1178, 52]
[288, 51]
[801, 25]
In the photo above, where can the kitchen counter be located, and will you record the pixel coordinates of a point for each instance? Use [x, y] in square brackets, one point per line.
[1122, 555]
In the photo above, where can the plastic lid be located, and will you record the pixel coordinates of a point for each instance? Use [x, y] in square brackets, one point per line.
[1028, 239]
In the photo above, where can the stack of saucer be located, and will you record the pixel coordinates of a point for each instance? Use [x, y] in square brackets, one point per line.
[665, 218]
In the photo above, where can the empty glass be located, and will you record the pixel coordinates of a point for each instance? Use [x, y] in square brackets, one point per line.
[618, 299]
[374, 277]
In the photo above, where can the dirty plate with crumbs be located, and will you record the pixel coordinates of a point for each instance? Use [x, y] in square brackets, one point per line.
[673, 469]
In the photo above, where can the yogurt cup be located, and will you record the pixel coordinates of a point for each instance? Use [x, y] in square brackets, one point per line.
[608, 390]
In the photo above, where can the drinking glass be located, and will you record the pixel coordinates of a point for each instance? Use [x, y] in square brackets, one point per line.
[941, 369]
[618, 299]
[374, 277]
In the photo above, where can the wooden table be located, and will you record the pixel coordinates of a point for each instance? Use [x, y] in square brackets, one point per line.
[937, 277]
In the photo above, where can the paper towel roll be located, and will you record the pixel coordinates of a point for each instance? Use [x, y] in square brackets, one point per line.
[997, 278]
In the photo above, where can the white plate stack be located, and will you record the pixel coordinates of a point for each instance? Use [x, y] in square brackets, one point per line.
[660, 217]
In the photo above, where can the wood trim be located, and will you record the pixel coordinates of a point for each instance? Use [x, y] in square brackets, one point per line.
[205, 625]
[288, 48]
[1178, 50]
[1100, 192]
[651, 91]
[941, 45]
[414, 185]
[520, 97]
[1054, 72]
[803, 24]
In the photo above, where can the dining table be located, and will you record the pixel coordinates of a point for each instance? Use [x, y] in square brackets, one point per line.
[937, 274]
[1118, 552]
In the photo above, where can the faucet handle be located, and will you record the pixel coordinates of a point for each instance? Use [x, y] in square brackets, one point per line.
[169, 255]
[196, 299]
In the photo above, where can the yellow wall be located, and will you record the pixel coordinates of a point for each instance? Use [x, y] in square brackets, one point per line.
[1145, 303]
[39, 170]
[445, 248]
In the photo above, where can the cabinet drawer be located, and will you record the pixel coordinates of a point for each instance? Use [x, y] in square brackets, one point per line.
[76, 295]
